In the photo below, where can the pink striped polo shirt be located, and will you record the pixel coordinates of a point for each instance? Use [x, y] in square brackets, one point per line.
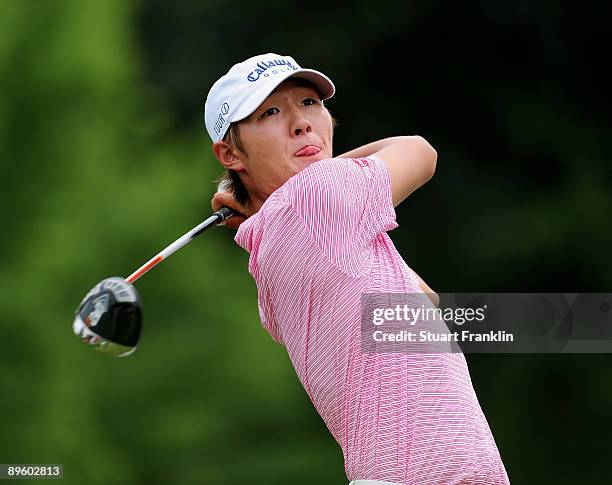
[316, 244]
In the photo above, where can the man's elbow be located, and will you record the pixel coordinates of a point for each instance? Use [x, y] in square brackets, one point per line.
[429, 157]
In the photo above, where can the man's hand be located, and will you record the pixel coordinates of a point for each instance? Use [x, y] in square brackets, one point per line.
[431, 294]
[241, 213]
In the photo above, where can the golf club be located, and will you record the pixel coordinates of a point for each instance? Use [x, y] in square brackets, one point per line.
[109, 319]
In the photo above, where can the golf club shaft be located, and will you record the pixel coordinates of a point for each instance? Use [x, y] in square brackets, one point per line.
[217, 217]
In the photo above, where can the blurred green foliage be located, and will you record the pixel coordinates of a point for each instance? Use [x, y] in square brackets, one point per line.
[104, 160]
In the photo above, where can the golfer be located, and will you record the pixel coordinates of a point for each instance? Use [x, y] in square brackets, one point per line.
[316, 226]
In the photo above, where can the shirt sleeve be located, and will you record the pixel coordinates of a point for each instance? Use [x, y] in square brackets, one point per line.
[250, 237]
[345, 206]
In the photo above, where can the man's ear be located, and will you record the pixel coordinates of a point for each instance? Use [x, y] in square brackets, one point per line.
[227, 156]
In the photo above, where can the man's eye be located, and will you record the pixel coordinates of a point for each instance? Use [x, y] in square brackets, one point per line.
[271, 111]
[310, 101]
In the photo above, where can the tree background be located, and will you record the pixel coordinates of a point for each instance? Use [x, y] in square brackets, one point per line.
[104, 159]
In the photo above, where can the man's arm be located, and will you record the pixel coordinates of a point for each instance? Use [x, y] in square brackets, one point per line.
[410, 160]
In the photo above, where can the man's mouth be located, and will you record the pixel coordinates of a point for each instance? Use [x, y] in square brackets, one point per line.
[307, 151]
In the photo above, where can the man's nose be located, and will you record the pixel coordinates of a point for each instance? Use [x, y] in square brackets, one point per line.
[301, 126]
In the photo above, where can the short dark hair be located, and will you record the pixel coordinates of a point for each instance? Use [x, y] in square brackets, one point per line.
[230, 179]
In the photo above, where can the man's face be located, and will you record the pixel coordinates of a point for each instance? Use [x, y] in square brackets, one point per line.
[290, 130]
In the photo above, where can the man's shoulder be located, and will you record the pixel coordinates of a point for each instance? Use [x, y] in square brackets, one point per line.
[338, 163]
[330, 172]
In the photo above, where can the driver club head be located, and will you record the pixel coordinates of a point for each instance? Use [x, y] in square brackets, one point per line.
[109, 319]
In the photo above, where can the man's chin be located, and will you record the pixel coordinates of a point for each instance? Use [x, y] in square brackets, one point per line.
[304, 162]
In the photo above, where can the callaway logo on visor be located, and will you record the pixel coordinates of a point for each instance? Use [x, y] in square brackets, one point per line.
[276, 66]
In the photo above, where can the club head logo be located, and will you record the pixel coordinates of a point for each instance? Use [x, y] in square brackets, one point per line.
[100, 306]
